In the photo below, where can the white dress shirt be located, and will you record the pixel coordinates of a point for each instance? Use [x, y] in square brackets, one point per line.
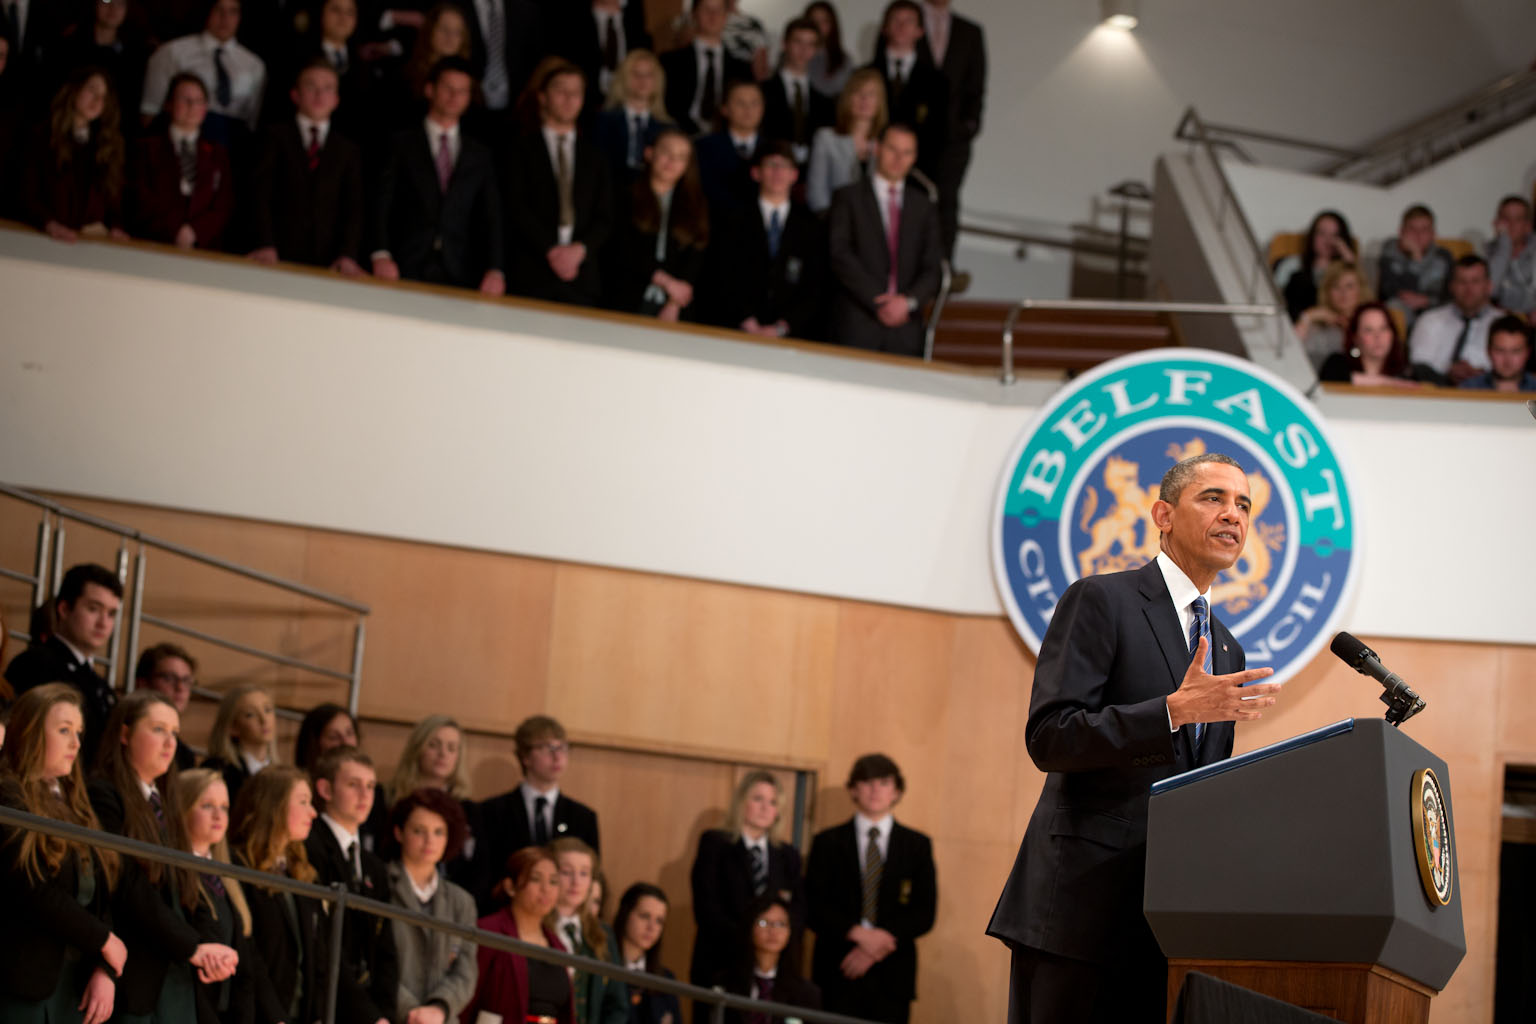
[253, 764]
[178, 139]
[247, 75]
[769, 209]
[305, 124]
[900, 65]
[19, 28]
[602, 19]
[1182, 590]
[1435, 332]
[424, 893]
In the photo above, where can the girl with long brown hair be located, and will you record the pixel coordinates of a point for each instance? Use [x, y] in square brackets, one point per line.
[74, 180]
[659, 251]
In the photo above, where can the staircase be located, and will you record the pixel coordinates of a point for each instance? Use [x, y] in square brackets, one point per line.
[970, 333]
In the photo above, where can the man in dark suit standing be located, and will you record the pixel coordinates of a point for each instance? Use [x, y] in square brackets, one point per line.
[438, 216]
[307, 189]
[698, 73]
[871, 892]
[883, 237]
[84, 614]
[506, 41]
[959, 50]
[565, 213]
[596, 37]
[792, 110]
[917, 92]
[1135, 681]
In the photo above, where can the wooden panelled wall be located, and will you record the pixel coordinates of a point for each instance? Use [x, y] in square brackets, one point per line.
[672, 687]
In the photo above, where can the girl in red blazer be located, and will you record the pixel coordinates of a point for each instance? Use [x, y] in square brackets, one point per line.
[512, 988]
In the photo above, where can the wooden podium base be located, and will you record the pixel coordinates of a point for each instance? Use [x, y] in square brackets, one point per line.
[1356, 993]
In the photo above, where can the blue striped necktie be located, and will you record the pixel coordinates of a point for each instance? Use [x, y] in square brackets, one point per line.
[1200, 627]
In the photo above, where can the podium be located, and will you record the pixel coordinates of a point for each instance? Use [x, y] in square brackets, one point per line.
[1321, 871]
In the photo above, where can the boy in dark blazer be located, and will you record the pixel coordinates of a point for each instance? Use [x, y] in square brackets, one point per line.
[871, 892]
[792, 110]
[698, 73]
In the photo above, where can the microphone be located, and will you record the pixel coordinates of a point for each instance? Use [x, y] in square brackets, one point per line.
[1398, 695]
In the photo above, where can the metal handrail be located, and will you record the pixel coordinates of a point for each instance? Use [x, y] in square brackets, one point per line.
[1115, 306]
[346, 900]
[946, 281]
[1205, 129]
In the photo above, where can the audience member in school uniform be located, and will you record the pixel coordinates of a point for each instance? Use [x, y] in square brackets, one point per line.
[345, 783]
[1509, 353]
[243, 741]
[764, 968]
[182, 190]
[437, 970]
[599, 1000]
[325, 727]
[793, 111]
[734, 869]
[830, 67]
[62, 966]
[512, 987]
[135, 793]
[237, 76]
[917, 93]
[639, 923]
[220, 913]
[698, 73]
[872, 893]
[105, 38]
[635, 113]
[398, 99]
[72, 183]
[273, 816]
[959, 50]
[598, 36]
[307, 188]
[433, 758]
[330, 37]
[536, 811]
[657, 255]
[726, 157]
[1373, 353]
[171, 672]
[84, 615]
[841, 154]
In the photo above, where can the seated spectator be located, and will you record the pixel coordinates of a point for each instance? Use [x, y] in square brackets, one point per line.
[237, 75]
[830, 67]
[657, 254]
[307, 189]
[770, 269]
[746, 39]
[917, 92]
[437, 970]
[171, 672]
[599, 1000]
[438, 216]
[841, 154]
[1414, 272]
[1373, 354]
[634, 114]
[598, 36]
[639, 923]
[243, 741]
[536, 812]
[433, 758]
[1321, 328]
[345, 782]
[734, 869]
[765, 972]
[182, 190]
[84, 615]
[67, 959]
[726, 157]
[1328, 241]
[1509, 352]
[72, 183]
[106, 39]
[272, 818]
[792, 110]
[135, 794]
[698, 73]
[1452, 340]
[512, 987]
[324, 728]
[1512, 257]
[565, 214]
[886, 253]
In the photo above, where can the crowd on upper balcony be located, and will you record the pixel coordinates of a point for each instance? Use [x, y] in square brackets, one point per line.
[543, 148]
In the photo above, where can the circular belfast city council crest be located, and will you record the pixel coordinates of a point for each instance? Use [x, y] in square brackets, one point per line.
[1077, 491]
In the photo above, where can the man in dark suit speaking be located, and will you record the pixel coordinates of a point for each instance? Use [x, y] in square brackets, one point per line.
[1134, 682]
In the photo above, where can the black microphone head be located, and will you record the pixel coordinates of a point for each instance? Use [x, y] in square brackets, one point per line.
[1349, 649]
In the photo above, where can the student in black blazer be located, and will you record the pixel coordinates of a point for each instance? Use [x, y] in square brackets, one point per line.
[792, 109]
[243, 741]
[597, 36]
[728, 883]
[693, 99]
[963, 61]
[426, 230]
[524, 43]
[550, 259]
[866, 963]
[726, 157]
[638, 925]
[917, 93]
[634, 117]
[762, 286]
[166, 207]
[767, 965]
[872, 306]
[657, 256]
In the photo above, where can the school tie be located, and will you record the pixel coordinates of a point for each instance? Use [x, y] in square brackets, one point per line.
[352, 860]
[222, 89]
[444, 161]
[898, 82]
[759, 871]
[636, 140]
[156, 805]
[573, 935]
[893, 235]
[313, 151]
[709, 98]
[765, 993]
[1200, 627]
[540, 827]
[611, 44]
[775, 233]
[187, 154]
[873, 868]
[797, 112]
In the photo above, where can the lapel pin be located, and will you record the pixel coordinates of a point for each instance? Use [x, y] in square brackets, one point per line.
[560, 827]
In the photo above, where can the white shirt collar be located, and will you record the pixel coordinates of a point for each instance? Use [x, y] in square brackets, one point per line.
[637, 964]
[767, 209]
[699, 46]
[563, 923]
[434, 130]
[252, 764]
[738, 141]
[862, 825]
[178, 137]
[147, 788]
[343, 837]
[424, 893]
[79, 657]
[1180, 587]
[214, 44]
[790, 78]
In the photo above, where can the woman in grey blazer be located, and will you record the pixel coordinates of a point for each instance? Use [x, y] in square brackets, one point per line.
[437, 970]
[840, 154]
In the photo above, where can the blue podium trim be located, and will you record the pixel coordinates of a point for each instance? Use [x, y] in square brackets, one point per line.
[1233, 763]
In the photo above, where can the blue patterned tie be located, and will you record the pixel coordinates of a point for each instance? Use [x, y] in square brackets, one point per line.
[775, 234]
[1200, 627]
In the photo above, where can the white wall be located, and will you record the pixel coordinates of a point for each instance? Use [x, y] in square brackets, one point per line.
[231, 389]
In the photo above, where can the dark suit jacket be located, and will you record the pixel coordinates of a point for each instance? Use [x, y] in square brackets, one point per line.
[159, 209]
[779, 116]
[370, 968]
[610, 132]
[523, 45]
[533, 221]
[965, 65]
[1098, 725]
[505, 829]
[632, 260]
[287, 933]
[53, 662]
[723, 898]
[313, 217]
[455, 234]
[648, 1007]
[905, 907]
[725, 173]
[860, 259]
[247, 997]
[922, 104]
[574, 36]
[748, 282]
[682, 68]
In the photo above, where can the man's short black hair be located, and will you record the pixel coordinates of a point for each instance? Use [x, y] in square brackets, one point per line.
[1471, 259]
[896, 126]
[876, 766]
[1512, 198]
[901, 5]
[75, 580]
[319, 62]
[1510, 324]
[801, 25]
[447, 64]
[774, 148]
[149, 661]
[1417, 210]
